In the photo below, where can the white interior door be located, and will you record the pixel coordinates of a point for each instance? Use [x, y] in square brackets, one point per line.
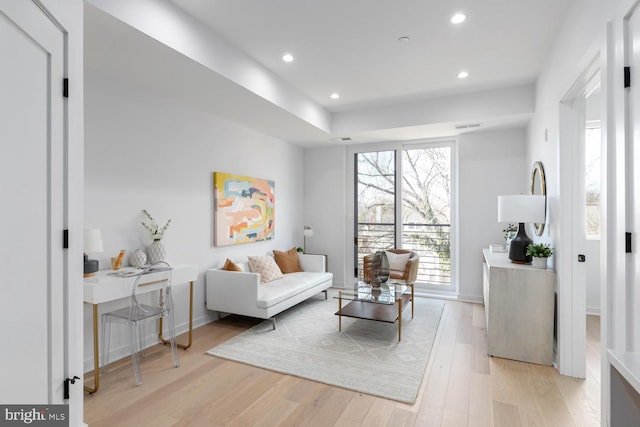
[632, 299]
[32, 362]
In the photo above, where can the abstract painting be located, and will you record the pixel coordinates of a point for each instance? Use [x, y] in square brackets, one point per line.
[244, 209]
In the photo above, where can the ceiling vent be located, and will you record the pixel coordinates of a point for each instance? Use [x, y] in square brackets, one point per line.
[468, 126]
[343, 139]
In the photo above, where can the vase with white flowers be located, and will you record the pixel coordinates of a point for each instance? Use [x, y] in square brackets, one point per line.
[539, 253]
[509, 234]
[156, 251]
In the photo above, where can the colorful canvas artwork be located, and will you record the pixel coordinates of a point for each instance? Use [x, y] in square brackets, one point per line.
[244, 209]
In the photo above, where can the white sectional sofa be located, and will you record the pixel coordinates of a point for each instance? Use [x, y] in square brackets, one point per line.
[242, 293]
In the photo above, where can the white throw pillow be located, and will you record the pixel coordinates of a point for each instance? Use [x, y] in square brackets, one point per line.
[397, 262]
[266, 266]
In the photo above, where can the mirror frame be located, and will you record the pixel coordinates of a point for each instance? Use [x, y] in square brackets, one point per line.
[538, 173]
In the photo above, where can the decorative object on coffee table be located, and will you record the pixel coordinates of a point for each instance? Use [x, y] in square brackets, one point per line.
[401, 267]
[380, 269]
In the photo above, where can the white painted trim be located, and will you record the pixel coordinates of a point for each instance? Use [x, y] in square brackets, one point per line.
[593, 311]
[450, 142]
[571, 291]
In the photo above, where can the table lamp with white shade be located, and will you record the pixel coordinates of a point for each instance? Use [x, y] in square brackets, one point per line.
[307, 232]
[521, 208]
[92, 244]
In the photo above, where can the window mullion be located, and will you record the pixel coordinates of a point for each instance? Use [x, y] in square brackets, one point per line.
[398, 197]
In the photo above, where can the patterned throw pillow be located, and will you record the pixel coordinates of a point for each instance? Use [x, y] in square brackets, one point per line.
[287, 261]
[230, 266]
[266, 266]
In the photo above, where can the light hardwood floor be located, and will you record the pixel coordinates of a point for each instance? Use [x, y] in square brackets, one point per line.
[461, 387]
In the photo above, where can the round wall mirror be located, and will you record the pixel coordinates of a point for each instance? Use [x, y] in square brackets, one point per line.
[539, 187]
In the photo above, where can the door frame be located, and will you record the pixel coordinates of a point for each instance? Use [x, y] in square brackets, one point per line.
[571, 288]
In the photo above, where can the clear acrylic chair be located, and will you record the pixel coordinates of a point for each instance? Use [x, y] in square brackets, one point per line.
[138, 313]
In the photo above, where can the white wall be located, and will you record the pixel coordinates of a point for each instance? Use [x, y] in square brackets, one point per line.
[326, 209]
[489, 164]
[146, 151]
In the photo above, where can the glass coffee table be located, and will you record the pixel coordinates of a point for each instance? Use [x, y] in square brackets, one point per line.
[383, 304]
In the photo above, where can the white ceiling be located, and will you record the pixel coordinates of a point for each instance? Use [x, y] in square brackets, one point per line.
[352, 47]
[345, 46]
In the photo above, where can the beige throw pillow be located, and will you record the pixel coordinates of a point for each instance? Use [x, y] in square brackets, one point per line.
[288, 261]
[266, 266]
[230, 266]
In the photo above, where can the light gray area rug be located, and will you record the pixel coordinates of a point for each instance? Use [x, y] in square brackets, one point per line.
[366, 356]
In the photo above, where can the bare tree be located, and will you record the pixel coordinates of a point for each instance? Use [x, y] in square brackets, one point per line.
[425, 201]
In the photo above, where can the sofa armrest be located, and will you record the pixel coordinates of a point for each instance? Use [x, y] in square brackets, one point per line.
[313, 262]
[231, 291]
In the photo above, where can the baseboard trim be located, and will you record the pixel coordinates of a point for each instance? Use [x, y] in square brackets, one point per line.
[123, 351]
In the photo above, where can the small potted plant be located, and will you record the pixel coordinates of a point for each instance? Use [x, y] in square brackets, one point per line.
[539, 253]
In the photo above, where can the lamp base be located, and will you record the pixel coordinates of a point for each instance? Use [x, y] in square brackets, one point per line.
[518, 247]
[90, 266]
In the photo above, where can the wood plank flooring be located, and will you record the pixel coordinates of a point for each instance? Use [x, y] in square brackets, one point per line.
[461, 387]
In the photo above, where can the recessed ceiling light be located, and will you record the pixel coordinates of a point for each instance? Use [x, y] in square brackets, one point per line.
[335, 95]
[458, 18]
[463, 75]
[404, 39]
[287, 57]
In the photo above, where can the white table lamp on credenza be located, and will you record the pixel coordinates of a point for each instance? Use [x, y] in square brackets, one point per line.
[92, 244]
[521, 209]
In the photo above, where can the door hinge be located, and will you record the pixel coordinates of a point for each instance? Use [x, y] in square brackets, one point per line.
[65, 87]
[627, 242]
[65, 239]
[627, 76]
[66, 385]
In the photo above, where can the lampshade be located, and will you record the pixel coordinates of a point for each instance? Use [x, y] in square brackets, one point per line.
[521, 208]
[93, 240]
[308, 231]
[92, 243]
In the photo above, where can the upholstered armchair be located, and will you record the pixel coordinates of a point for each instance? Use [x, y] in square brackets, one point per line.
[401, 267]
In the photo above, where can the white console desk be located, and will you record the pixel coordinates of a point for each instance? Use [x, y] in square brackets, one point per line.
[102, 288]
[519, 309]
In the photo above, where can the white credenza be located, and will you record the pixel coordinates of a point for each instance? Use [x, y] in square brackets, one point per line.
[519, 309]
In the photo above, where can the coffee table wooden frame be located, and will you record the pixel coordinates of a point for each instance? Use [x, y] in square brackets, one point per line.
[374, 310]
